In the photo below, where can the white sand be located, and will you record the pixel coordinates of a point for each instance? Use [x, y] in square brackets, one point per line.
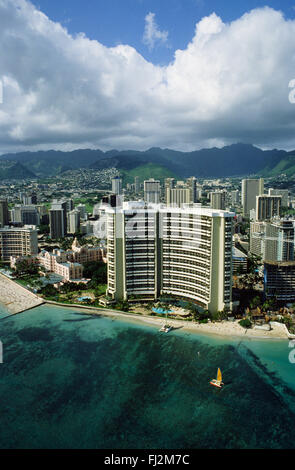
[16, 298]
[224, 328]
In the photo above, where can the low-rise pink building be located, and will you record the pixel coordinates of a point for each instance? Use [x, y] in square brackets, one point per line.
[58, 263]
[67, 264]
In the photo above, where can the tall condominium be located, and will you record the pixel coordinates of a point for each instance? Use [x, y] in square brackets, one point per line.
[117, 185]
[4, 214]
[17, 242]
[185, 252]
[273, 240]
[279, 264]
[250, 189]
[193, 186]
[178, 196]
[73, 221]
[217, 199]
[152, 191]
[235, 197]
[169, 183]
[70, 205]
[268, 207]
[58, 219]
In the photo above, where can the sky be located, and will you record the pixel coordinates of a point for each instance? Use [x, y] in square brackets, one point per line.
[135, 74]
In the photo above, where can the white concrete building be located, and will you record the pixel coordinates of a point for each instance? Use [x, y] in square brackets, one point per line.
[184, 252]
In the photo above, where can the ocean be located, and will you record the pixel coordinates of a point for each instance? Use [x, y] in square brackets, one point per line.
[74, 381]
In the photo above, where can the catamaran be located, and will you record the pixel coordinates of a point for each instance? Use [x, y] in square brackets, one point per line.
[218, 381]
[166, 328]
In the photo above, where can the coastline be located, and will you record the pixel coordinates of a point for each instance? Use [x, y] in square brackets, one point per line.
[23, 300]
[224, 328]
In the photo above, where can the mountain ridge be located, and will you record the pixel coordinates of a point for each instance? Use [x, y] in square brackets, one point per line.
[232, 160]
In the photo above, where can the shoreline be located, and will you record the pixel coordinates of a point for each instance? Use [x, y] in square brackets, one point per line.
[23, 300]
[224, 328]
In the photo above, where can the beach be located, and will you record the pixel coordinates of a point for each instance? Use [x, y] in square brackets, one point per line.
[15, 298]
[224, 328]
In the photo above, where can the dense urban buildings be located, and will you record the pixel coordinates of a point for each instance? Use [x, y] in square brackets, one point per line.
[150, 261]
[25, 215]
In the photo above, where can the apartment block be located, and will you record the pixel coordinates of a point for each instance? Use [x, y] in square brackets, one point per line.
[268, 207]
[152, 191]
[218, 200]
[17, 242]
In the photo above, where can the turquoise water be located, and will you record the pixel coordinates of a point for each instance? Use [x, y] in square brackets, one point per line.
[3, 312]
[70, 380]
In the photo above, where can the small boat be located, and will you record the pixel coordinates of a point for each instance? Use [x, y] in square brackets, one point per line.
[166, 328]
[218, 381]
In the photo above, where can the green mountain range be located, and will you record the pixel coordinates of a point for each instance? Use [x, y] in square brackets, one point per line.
[14, 170]
[232, 160]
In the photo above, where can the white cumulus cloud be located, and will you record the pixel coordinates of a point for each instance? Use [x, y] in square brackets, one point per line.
[152, 34]
[229, 84]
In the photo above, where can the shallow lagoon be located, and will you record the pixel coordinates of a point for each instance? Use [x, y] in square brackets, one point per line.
[71, 380]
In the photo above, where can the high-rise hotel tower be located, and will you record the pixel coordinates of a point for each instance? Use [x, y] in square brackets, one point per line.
[181, 251]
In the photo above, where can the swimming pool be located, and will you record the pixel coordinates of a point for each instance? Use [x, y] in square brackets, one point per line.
[161, 311]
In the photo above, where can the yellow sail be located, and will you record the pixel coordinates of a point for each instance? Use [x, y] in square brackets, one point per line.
[219, 376]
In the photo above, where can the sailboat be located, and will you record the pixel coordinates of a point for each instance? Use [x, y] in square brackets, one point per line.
[166, 327]
[218, 381]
